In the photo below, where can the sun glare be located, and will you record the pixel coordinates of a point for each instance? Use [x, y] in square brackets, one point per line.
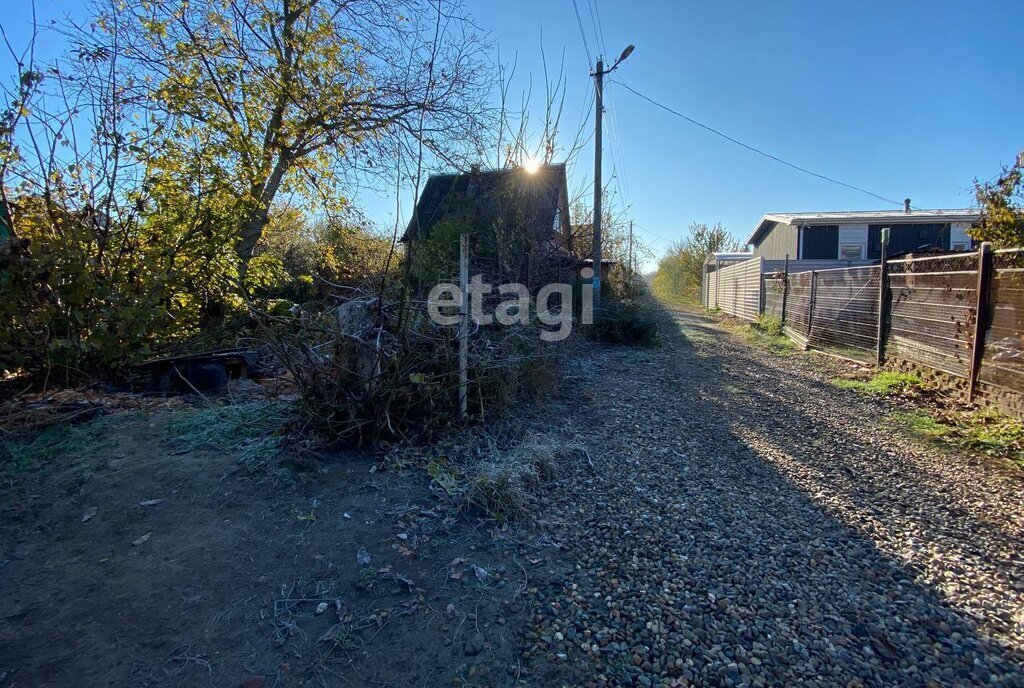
[531, 165]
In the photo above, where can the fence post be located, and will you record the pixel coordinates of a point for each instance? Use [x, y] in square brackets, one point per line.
[810, 306]
[883, 300]
[980, 315]
[718, 279]
[463, 324]
[785, 289]
[761, 294]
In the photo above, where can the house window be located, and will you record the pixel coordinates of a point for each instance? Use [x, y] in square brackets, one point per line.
[851, 251]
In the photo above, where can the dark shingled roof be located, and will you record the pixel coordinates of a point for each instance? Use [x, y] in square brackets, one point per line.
[484, 197]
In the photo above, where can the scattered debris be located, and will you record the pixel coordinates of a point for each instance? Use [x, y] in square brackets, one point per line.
[89, 513]
[139, 541]
[363, 557]
[320, 608]
[198, 372]
[481, 573]
[150, 502]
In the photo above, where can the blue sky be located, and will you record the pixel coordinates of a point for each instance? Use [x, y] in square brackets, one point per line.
[905, 98]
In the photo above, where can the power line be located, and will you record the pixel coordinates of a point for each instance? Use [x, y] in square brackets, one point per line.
[756, 150]
[579, 22]
[596, 24]
[619, 158]
[656, 235]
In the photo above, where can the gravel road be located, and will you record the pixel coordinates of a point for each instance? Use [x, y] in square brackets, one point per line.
[746, 523]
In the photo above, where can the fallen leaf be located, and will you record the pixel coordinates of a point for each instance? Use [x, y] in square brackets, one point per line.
[89, 513]
[150, 502]
[142, 539]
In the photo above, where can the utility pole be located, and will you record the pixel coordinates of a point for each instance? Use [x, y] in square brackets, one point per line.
[598, 98]
[598, 75]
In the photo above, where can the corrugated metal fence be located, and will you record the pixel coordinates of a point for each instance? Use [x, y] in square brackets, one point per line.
[931, 307]
[739, 289]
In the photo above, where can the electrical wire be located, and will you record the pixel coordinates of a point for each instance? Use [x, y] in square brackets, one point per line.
[655, 234]
[754, 149]
[583, 34]
[595, 21]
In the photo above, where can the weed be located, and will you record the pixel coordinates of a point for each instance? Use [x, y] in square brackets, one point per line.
[985, 432]
[254, 429]
[769, 324]
[774, 343]
[625, 322]
[501, 485]
[885, 383]
[922, 424]
[62, 440]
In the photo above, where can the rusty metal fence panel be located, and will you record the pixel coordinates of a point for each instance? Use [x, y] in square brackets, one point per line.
[739, 289]
[846, 309]
[934, 306]
[1002, 362]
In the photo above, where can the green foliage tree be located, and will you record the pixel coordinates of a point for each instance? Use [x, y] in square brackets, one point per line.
[141, 170]
[678, 276]
[249, 99]
[1002, 204]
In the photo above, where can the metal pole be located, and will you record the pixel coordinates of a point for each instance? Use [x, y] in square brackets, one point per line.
[883, 300]
[718, 279]
[598, 98]
[463, 324]
[785, 290]
[810, 307]
[980, 315]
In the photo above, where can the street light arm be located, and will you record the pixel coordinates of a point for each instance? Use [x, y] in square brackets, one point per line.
[625, 53]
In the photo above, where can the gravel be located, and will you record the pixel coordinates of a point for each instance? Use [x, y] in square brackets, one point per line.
[745, 523]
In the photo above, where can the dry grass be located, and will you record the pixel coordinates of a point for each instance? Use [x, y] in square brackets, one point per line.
[502, 486]
[498, 481]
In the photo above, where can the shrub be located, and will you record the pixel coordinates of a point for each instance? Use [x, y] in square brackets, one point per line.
[769, 324]
[379, 368]
[625, 322]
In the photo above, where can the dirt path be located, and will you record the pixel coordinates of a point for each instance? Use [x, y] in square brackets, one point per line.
[746, 523]
[741, 523]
